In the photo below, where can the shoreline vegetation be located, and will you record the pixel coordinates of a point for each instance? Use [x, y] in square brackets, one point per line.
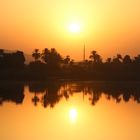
[50, 65]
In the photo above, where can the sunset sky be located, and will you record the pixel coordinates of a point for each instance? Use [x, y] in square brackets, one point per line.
[107, 26]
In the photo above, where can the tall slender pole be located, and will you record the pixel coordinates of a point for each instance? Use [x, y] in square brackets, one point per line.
[83, 94]
[84, 53]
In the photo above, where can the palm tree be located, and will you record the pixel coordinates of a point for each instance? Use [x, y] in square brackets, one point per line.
[117, 59]
[71, 61]
[96, 58]
[36, 55]
[51, 57]
[137, 59]
[93, 55]
[119, 56]
[45, 55]
[66, 60]
[127, 59]
[108, 60]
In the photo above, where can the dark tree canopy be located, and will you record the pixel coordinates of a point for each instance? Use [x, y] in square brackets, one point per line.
[95, 57]
[51, 57]
[50, 64]
[12, 60]
[36, 54]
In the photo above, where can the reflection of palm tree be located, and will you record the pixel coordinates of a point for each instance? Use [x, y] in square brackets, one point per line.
[0, 101]
[95, 97]
[64, 91]
[51, 96]
[126, 96]
[66, 95]
[35, 99]
[44, 99]
[117, 92]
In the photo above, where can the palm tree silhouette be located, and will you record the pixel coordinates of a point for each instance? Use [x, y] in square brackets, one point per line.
[36, 55]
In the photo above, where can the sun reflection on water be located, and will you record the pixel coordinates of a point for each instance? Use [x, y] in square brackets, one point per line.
[73, 115]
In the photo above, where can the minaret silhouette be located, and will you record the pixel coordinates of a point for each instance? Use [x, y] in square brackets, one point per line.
[84, 53]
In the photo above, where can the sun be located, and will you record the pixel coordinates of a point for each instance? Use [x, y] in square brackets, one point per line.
[74, 27]
[73, 114]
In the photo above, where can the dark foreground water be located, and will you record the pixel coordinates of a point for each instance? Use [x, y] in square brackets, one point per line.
[70, 111]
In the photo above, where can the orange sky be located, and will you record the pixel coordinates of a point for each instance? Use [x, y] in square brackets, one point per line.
[108, 26]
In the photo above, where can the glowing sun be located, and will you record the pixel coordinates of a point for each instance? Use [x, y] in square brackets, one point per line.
[74, 27]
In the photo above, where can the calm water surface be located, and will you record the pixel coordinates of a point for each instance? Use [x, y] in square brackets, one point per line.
[70, 111]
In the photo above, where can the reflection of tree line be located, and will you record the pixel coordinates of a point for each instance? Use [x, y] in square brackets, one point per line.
[11, 93]
[49, 63]
[52, 93]
[49, 94]
[117, 91]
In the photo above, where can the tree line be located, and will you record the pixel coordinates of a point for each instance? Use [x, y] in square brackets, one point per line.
[53, 57]
[50, 64]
